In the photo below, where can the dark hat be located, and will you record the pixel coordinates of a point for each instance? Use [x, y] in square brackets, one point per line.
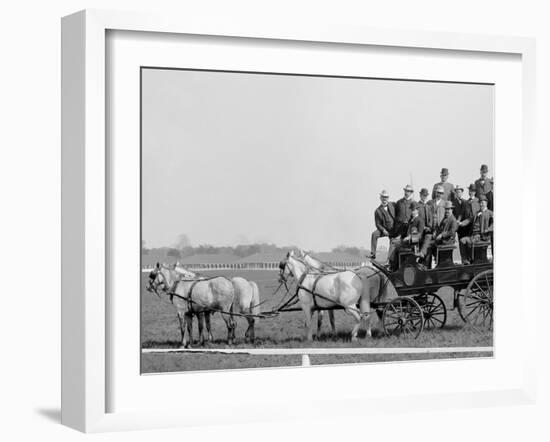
[414, 205]
[448, 205]
[444, 171]
[482, 198]
[424, 192]
[459, 187]
[484, 168]
[472, 187]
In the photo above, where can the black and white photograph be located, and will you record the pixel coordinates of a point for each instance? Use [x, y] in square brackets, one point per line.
[294, 220]
[275, 221]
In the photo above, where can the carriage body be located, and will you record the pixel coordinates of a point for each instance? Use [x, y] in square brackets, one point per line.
[417, 286]
[411, 279]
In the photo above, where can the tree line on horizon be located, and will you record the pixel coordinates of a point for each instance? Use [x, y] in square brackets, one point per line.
[184, 248]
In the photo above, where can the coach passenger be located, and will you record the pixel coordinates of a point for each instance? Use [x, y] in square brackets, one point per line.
[403, 211]
[384, 219]
[483, 184]
[482, 226]
[463, 214]
[411, 237]
[436, 214]
[448, 188]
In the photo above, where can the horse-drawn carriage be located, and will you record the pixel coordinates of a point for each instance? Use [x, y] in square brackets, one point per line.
[359, 292]
[418, 305]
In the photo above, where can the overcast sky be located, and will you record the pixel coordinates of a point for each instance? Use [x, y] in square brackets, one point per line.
[232, 158]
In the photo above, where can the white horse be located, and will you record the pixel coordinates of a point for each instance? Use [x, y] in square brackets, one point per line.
[320, 266]
[203, 318]
[321, 291]
[246, 301]
[195, 296]
[375, 284]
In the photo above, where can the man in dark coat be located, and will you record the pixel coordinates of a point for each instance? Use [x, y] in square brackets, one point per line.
[436, 214]
[458, 202]
[411, 237]
[444, 233]
[446, 230]
[425, 211]
[463, 215]
[483, 184]
[482, 226]
[448, 188]
[384, 219]
[473, 202]
[490, 194]
[403, 211]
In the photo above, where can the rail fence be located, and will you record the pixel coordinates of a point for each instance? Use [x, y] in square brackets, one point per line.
[274, 266]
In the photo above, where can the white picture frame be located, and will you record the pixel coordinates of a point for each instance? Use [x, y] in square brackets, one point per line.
[85, 199]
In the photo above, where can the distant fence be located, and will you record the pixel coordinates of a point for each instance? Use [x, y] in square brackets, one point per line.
[253, 266]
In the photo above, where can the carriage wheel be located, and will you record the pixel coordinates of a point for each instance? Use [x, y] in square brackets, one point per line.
[433, 309]
[403, 316]
[476, 303]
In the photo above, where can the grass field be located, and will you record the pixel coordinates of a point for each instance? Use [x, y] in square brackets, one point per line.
[160, 329]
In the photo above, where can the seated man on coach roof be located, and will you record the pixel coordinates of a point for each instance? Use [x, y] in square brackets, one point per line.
[444, 234]
[412, 236]
[482, 227]
[446, 230]
[384, 219]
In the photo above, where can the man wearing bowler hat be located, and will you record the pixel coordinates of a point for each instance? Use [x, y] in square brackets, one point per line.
[384, 219]
[473, 202]
[483, 184]
[425, 212]
[448, 188]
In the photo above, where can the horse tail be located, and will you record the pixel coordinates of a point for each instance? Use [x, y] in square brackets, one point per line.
[255, 303]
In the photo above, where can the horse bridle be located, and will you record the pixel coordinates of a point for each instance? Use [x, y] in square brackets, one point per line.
[153, 285]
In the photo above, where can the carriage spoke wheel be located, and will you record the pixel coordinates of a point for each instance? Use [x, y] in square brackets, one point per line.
[476, 303]
[433, 309]
[403, 316]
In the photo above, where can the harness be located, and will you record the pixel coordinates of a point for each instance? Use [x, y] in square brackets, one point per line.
[312, 290]
[189, 296]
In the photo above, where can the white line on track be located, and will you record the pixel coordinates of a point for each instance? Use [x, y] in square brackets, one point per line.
[322, 351]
